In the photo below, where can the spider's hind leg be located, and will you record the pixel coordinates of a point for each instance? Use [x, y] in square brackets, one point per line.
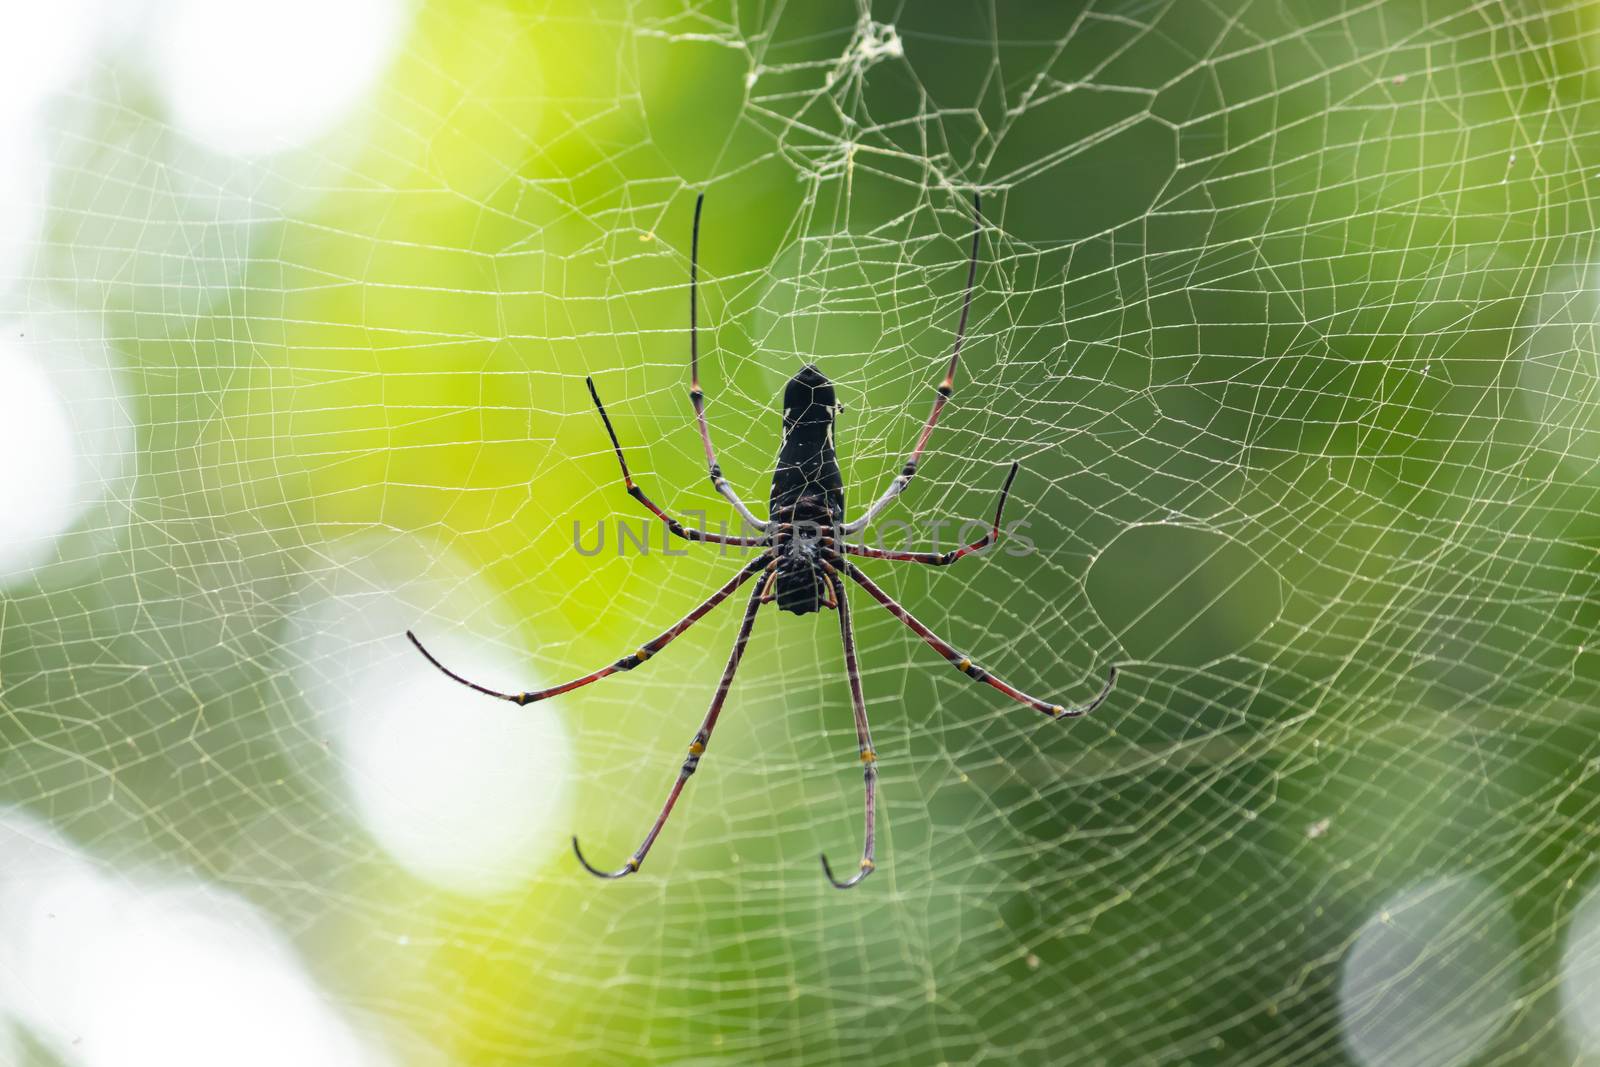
[869, 758]
[697, 748]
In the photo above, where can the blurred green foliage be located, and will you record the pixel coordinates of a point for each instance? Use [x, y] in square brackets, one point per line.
[1284, 308]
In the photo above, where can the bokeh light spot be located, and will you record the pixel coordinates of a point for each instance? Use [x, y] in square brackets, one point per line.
[109, 972]
[49, 44]
[464, 791]
[251, 78]
[63, 407]
[1580, 974]
[40, 493]
[1432, 976]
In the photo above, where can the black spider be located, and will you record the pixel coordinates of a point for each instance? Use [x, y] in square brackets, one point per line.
[802, 557]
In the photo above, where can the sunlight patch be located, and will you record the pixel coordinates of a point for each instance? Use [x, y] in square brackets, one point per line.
[1432, 976]
[464, 791]
[39, 493]
[1580, 974]
[24, 176]
[188, 975]
[52, 41]
[184, 974]
[64, 409]
[250, 78]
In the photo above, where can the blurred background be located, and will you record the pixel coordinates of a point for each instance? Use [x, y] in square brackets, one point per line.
[1287, 308]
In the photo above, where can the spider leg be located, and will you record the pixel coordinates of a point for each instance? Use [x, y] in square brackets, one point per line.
[626, 663]
[869, 758]
[964, 663]
[688, 533]
[946, 387]
[696, 394]
[697, 748]
[941, 559]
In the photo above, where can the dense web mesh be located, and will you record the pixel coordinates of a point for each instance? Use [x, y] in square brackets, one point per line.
[1286, 308]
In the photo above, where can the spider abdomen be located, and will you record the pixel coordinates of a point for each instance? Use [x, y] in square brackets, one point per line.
[806, 484]
[807, 499]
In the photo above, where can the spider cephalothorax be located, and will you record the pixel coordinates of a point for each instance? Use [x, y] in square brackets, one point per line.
[802, 558]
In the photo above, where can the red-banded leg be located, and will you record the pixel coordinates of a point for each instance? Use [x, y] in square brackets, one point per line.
[626, 663]
[688, 533]
[696, 394]
[869, 758]
[697, 748]
[946, 387]
[964, 664]
[942, 559]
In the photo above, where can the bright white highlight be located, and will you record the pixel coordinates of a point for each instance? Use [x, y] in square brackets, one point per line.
[1432, 976]
[24, 177]
[464, 791]
[10, 1048]
[191, 976]
[1580, 975]
[40, 485]
[64, 413]
[249, 78]
[49, 43]
[115, 974]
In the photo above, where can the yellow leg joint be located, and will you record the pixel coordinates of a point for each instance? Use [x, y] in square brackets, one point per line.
[868, 756]
[868, 865]
[697, 748]
[964, 664]
[643, 654]
[1058, 711]
[633, 863]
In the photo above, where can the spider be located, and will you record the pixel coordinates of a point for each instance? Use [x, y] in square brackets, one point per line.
[802, 562]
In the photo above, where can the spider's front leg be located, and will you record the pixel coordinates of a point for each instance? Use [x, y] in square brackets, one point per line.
[697, 395]
[688, 533]
[942, 559]
[946, 387]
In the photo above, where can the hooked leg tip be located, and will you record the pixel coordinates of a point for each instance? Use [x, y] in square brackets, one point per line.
[622, 872]
[867, 867]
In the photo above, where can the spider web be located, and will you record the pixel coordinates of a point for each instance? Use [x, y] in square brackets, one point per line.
[1287, 310]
